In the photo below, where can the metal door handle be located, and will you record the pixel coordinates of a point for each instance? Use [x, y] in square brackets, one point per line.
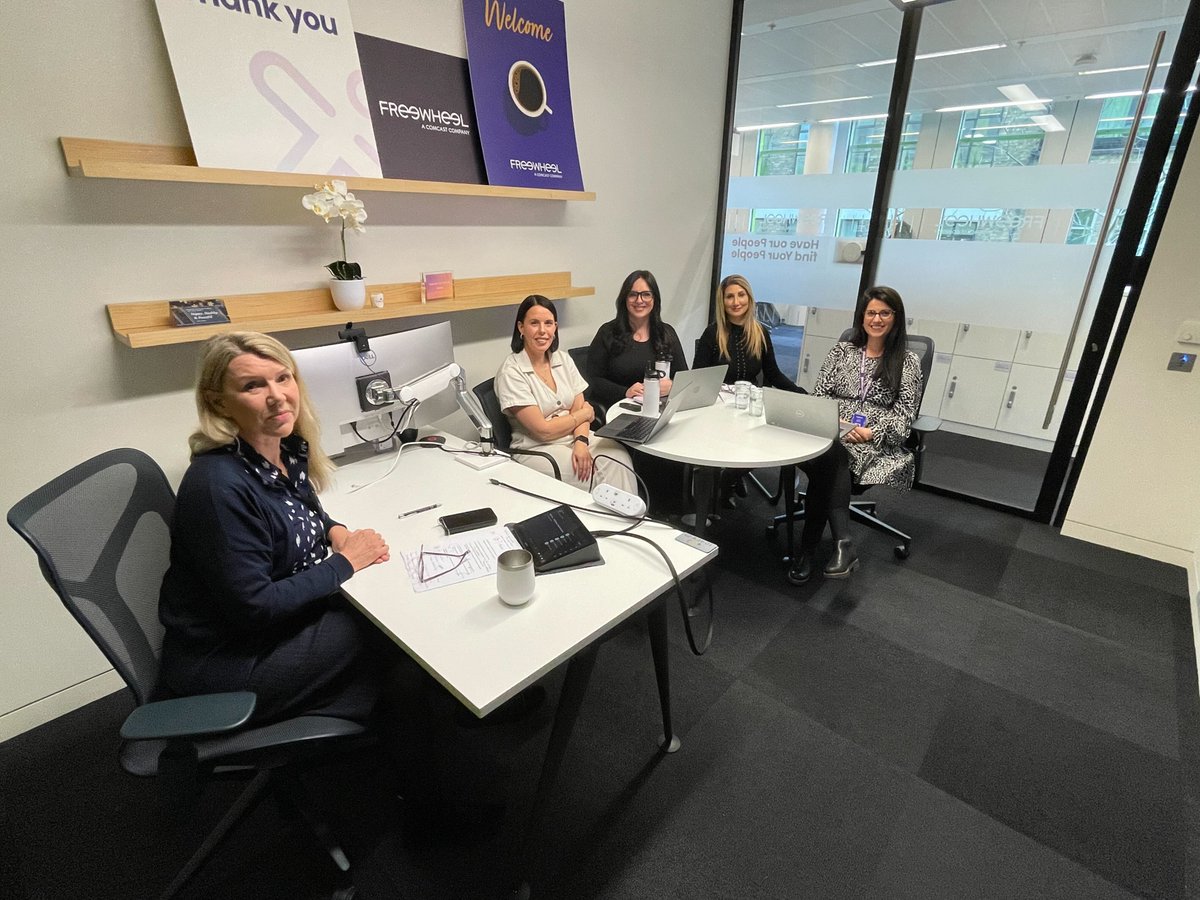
[1104, 223]
[1028, 335]
[1011, 397]
[966, 328]
[953, 385]
[805, 369]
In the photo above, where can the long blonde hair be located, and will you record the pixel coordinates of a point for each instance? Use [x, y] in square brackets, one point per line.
[755, 341]
[218, 430]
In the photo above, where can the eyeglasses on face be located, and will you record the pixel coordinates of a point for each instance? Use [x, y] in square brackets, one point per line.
[640, 295]
[884, 314]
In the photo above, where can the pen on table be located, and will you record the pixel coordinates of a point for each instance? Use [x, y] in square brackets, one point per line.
[420, 509]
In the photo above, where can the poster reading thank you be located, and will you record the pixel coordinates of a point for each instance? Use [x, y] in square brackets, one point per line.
[517, 51]
[271, 86]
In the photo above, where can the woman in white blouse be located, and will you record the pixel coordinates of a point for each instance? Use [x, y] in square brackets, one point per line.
[541, 393]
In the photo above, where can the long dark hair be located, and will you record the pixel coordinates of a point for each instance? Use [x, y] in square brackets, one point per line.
[658, 331]
[895, 345]
[518, 343]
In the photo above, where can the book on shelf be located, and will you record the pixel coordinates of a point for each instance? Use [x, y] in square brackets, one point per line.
[198, 312]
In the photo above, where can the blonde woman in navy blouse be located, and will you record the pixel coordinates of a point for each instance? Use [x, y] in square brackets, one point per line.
[250, 600]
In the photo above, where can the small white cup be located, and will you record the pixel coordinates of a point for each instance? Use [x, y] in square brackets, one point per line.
[514, 577]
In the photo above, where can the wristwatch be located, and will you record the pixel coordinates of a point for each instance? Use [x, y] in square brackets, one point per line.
[582, 438]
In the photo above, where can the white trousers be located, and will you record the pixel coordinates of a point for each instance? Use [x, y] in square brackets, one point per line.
[608, 471]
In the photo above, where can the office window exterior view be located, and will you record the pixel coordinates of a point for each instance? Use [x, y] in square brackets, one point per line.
[1005, 168]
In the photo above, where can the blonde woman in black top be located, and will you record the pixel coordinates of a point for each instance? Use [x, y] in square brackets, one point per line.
[737, 338]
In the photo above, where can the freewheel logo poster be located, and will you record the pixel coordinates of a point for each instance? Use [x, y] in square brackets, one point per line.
[271, 86]
[518, 55]
[420, 103]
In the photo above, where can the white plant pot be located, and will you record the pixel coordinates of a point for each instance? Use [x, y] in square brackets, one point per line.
[348, 295]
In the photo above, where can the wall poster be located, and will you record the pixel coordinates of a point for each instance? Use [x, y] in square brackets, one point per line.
[420, 103]
[519, 79]
[271, 86]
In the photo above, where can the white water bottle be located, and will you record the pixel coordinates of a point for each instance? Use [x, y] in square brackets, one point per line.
[650, 392]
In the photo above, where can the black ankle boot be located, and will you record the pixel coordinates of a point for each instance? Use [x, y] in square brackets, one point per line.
[739, 485]
[844, 559]
[802, 568]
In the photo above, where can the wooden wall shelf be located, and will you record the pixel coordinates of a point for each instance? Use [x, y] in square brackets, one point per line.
[148, 323]
[89, 158]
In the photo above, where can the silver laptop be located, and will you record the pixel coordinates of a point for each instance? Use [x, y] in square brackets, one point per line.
[805, 413]
[709, 379]
[631, 428]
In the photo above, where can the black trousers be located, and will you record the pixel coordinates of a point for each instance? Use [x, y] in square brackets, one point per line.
[827, 498]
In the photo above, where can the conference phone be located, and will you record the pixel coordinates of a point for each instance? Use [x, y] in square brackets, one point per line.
[557, 539]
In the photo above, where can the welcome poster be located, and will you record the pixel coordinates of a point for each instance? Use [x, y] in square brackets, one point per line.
[522, 91]
[271, 86]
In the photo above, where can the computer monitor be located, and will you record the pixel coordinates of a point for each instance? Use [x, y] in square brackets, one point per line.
[331, 371]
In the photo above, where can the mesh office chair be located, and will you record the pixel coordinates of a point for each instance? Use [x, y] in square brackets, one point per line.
[101, 533]
[501, 430]
[864, 511]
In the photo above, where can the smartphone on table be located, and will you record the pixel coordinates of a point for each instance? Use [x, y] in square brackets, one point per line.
[466, 521]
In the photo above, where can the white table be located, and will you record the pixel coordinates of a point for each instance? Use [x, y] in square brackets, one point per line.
[722, 437]
[482, 651]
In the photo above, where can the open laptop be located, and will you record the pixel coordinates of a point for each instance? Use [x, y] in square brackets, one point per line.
[634, 428]
[805, 413]
[709, 378]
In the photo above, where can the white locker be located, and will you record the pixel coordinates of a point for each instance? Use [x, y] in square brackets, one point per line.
[812, 356]
[829, 323]
[973, 391]
[943, 334]
[935, 388]
[1040, 348]
[985, 342]
[1023, 407]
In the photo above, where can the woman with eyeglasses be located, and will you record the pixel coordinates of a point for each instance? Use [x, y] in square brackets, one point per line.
[636, 338]
[736, 337]
[876, 381]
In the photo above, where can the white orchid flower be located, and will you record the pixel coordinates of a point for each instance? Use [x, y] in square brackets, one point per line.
[332, 201]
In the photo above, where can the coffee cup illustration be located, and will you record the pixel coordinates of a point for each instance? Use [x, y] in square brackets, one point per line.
[527, 89]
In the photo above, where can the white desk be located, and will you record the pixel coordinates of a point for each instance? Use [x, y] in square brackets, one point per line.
[722, 437]
[482, 651]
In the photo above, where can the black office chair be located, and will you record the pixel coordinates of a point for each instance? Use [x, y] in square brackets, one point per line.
[579, 355]
[864, 511]
[768, 316]
[501, 430]
[101, 533]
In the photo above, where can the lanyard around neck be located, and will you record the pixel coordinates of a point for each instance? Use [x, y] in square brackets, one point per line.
[864, 380]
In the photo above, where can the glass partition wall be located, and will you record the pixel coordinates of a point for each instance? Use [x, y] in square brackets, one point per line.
[1007, 156]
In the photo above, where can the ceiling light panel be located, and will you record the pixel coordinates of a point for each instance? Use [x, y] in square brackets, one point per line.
[817, 102]
[1039, 104]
